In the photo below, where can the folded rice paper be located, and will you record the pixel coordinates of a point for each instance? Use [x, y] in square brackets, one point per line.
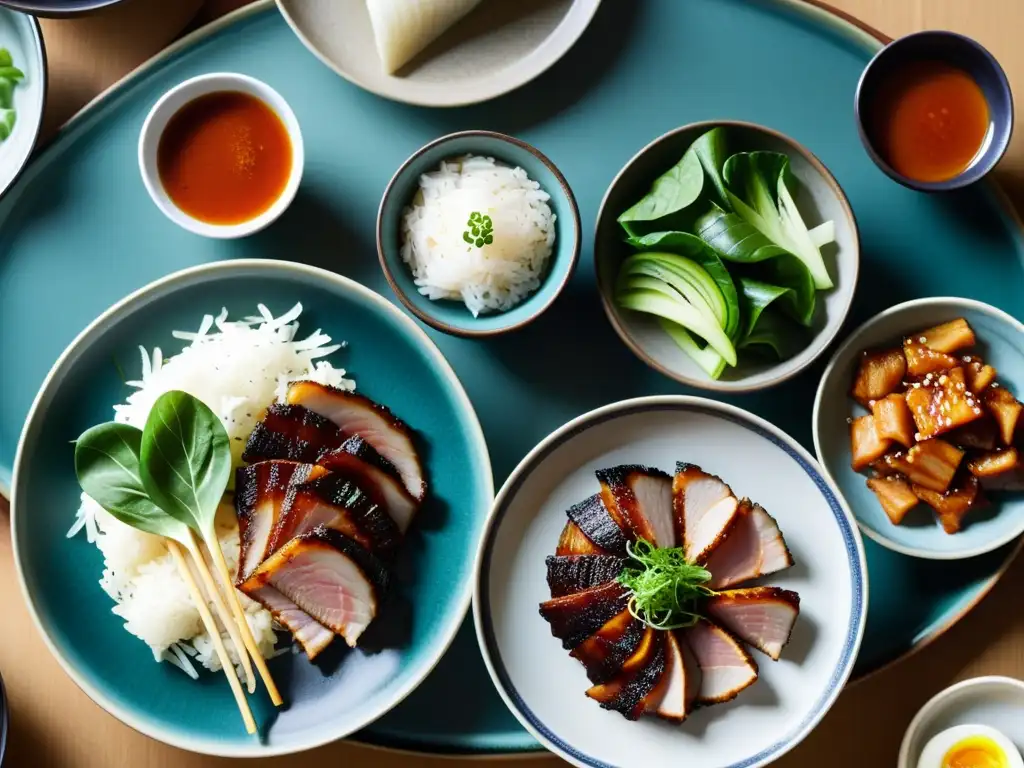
[403, 28]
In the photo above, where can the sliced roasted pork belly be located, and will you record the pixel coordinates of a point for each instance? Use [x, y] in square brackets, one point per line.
[604, 652]
[334, 502]
[672, 698]
[705, 509]
[310, 634]
[760, 616]
[291, 432]
[574, 573]
[642, 498]
[261, 493]
[357, 415]
[726, 666]
[328, 576]
[573, 618]
[628, 691]
[752, 547]
[593, 518]
[358, 461]
[573, 541]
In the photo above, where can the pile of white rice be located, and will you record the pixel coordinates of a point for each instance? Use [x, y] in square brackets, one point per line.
[238, 369]
[495, 276]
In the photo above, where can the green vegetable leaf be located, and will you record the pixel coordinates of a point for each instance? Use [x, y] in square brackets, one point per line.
[185, 459]
[666, 588]
[12, 73]
[107, 466]
[5, 58]
[711, 149]
[755, 297]
[676, 189]
[774, 336]
[6, 94]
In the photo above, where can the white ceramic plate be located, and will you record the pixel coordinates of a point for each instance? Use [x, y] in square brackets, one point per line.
[21, 36]
[997, 702]
[499, 46]
[544, 687]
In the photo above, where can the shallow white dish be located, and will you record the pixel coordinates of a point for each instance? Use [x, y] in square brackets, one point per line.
[175, 99]
[20, 34]
[498, 47]
[544, 687]
[997, 702]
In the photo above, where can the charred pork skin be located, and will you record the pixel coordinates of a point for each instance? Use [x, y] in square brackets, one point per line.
[640, 498]
[573, 618]
[291, 432]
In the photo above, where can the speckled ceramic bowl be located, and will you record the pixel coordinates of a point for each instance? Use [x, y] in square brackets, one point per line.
[452, 316]
[1001, 343]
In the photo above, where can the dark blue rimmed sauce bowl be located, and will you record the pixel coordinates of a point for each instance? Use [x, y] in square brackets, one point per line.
[942, 48]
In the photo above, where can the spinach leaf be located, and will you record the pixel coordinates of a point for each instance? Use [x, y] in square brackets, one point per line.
[685, 244]
[712, 153]
[107, 466]
[755, 296]
[185, 459]
[676, 189]
[736, 240]
[774, 336]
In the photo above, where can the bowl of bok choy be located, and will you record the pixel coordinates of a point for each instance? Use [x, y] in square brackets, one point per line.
[727, 256]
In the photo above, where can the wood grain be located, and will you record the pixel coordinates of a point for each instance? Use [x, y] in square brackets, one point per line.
[54, 724]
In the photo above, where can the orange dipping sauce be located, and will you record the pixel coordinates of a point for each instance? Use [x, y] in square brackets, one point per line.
[224, 157]
[931, 121]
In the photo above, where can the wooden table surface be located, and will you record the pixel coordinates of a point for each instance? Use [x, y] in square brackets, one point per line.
[55, 724]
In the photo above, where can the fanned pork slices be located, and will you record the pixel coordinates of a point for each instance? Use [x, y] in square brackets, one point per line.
[358, 461]
[627, 692]
[328, 576]
[574, 573]
[574, 541]
[604, 652]
[357, 415]
[573, 618]
[726, 667]
[640, 499]
[592, 517]
[673, 697]
[705, 509]
[752, 547]
[307, 631]
[760, 616]
[293, 433]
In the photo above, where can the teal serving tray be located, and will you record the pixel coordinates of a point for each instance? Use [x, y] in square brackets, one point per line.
[78, 232]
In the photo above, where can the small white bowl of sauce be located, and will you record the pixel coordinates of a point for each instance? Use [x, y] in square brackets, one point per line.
[935, 111]
[221, 155]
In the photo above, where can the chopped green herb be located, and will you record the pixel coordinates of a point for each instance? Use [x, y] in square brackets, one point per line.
[666, 588]
[479, 230]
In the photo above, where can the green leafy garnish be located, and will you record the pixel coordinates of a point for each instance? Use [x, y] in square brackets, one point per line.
[10, 76]
[666, 587]
[480, 230]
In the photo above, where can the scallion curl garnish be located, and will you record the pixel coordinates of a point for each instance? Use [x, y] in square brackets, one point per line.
[666, 587]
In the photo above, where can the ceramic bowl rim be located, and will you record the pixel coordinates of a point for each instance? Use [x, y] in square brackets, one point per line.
[4, 720]
[565, 432]
[933, 704]
[50, 11]
[202, 85]
[785, 369]
[966, 177]
[139, 297]
[850, 343]
[44, 88]
[569, 269]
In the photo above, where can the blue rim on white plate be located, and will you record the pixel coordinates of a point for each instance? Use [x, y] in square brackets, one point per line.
[843, 517]
[1000, 342]
[440, 590]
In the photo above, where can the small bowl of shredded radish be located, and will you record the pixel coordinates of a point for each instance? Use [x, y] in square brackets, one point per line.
[478, 233]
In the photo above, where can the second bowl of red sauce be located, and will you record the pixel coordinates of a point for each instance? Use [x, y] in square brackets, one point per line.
[935, 111]
[221, 155]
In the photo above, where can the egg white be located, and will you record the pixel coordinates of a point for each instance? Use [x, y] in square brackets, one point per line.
[940, 743]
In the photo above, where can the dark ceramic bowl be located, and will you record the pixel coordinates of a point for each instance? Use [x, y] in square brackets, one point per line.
[955, 50]
[57, 8]
[452, 316]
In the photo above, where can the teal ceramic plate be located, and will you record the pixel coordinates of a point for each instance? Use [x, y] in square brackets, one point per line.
[78, 232]
[393, 363]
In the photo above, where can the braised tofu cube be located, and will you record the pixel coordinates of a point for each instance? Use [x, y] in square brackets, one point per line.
[885, 466]
[981, 435]
[951, 507]
[941, 403]
[1006, 410]
[880, 374]
[932, 464]
[948, 337]
[921, 360]
[979, 376]
[893, 419]
[895, 495]
[865, 444]
[994, 463]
